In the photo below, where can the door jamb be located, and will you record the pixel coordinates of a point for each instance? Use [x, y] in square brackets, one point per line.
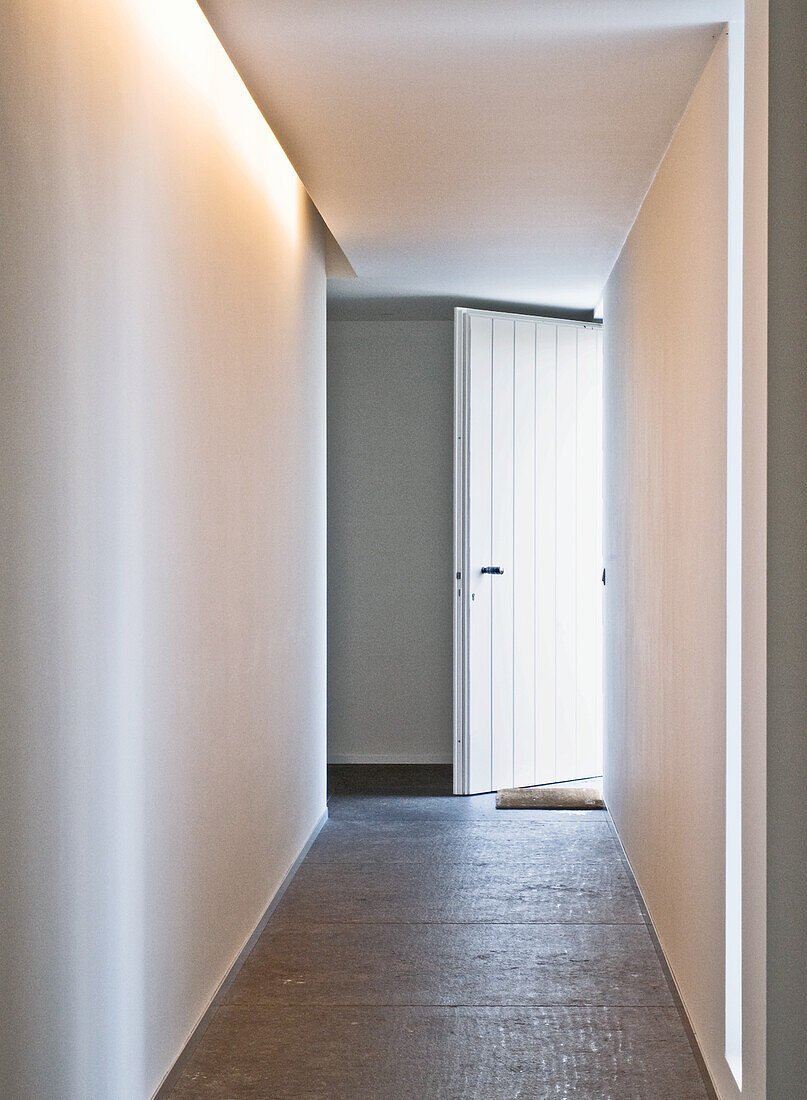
[460, 545]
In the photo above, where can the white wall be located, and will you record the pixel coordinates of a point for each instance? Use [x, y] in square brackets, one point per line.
[162, 536]
[665, 547]
[390, 515]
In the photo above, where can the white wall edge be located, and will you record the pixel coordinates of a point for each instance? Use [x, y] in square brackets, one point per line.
[391, 758]
[169, 1081]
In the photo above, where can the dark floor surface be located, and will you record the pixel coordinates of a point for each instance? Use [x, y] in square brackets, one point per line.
[433, 948]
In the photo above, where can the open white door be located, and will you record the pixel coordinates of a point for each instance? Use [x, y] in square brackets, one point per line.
[528, 501]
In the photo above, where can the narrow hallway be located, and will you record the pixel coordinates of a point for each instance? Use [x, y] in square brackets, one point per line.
[432, 947]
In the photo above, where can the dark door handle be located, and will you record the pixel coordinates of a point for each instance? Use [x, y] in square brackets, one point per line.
[495, 569]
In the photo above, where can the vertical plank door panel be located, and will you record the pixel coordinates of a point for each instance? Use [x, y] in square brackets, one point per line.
[545, 551]
[566, 567]
[479, 382]
[587, 555]
[534, 465]
[524, 555]
[502, 586]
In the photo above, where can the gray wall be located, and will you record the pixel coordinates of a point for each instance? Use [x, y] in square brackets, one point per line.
[390, 515]
[162, 541]
[787, 553]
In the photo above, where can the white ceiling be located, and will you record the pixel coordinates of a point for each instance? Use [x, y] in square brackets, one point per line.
[495, 149]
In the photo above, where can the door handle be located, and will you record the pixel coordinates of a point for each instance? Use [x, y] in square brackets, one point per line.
[496, 570]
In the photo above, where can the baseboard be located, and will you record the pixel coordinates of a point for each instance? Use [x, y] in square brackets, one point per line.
[391, 758]
[668, 971]
[181, 1061]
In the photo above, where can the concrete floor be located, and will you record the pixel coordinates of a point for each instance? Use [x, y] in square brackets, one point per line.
[434, 947]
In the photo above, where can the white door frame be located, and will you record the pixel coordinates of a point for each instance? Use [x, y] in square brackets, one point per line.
[460, 552]
[461, 548]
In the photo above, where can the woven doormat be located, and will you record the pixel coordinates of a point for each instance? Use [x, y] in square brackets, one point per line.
[550, 798]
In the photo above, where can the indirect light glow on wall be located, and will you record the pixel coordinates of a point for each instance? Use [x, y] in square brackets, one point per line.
[194, 54]
[734, 548]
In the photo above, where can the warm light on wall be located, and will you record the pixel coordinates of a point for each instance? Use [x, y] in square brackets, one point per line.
[734, 562]
[191, 50]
